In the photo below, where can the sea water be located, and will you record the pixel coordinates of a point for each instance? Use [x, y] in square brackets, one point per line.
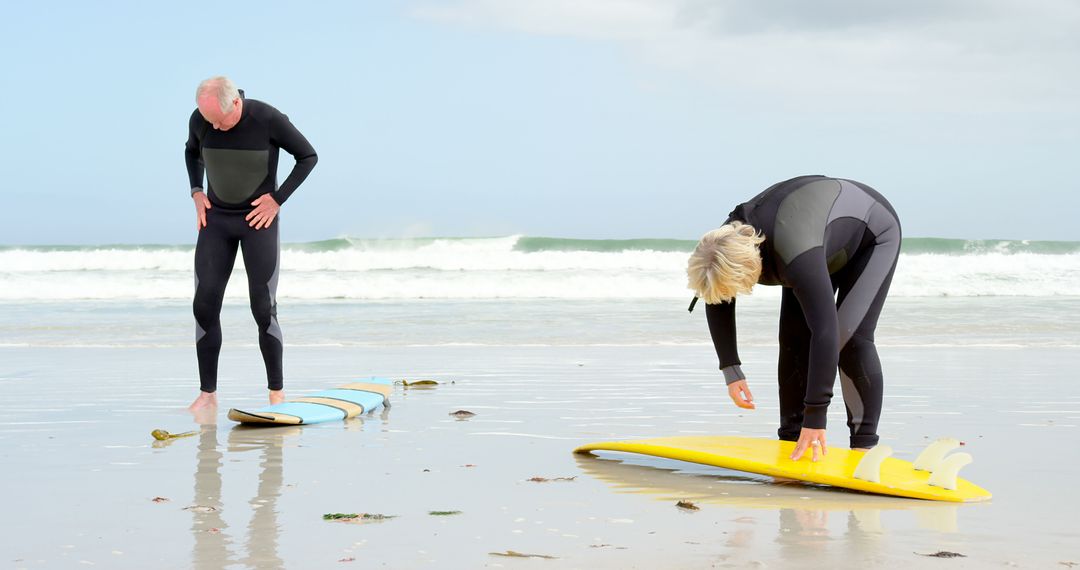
[552, 343]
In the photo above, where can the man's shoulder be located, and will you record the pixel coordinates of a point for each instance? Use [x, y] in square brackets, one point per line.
[261, 109]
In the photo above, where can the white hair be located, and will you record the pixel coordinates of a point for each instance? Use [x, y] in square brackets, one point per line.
[222, 88]
[725, 263]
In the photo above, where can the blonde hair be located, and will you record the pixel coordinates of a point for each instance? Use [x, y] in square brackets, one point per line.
[221, 88]
[725, 263]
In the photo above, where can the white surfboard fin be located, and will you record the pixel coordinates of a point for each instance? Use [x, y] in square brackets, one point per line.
[929, 459]
[944, 475]
[869, 468]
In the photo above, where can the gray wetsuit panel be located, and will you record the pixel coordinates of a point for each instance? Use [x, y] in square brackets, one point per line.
[802, 217]
[235, 175]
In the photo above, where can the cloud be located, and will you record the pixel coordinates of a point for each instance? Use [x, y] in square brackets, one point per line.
[943, 55]
[799, 16]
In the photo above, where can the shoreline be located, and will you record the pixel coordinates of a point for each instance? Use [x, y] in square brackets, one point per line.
[77, 420]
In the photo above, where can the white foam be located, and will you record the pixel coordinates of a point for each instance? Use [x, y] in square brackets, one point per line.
[482, 269]
[987, 274]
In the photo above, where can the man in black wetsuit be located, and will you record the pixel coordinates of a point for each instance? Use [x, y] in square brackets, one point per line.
[237, 141]
[817, 237]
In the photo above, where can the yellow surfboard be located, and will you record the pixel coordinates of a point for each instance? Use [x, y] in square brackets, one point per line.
[772, 457]
[670, 484]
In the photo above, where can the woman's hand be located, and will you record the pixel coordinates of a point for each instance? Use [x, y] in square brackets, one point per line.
[812, 438]
[740, 394]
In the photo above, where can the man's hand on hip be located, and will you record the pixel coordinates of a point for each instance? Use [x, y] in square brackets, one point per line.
[266, 209]
[202, 204]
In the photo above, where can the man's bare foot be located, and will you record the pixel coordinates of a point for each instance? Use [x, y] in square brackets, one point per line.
[277, 396]
[206, 400]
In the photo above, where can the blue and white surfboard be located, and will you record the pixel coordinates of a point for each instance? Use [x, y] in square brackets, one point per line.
[341, 403]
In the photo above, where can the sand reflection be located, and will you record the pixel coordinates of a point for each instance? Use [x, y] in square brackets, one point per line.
[215, 544]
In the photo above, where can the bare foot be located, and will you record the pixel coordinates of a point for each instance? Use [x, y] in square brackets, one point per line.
[277, 396]
[206, 400]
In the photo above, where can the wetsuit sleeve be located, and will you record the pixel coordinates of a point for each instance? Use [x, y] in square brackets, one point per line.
[286, 136]
[721, 317]
[192, 156]
[813, 288]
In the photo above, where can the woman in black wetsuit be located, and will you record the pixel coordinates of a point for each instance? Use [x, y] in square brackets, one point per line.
[832, 244]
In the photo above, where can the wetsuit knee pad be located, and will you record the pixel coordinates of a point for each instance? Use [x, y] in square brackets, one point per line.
[263, 310]
[859, 357]
[205, 309]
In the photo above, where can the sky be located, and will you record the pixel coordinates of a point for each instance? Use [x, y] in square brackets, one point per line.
[562, 118]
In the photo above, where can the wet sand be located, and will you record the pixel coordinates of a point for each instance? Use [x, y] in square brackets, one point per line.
[81, 471]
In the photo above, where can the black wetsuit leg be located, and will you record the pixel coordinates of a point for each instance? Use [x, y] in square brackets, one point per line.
[261, 250]
[793, 366]
[215, 255]
[861, 378]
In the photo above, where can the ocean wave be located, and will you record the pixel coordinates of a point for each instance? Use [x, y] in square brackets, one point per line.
[508, 267]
